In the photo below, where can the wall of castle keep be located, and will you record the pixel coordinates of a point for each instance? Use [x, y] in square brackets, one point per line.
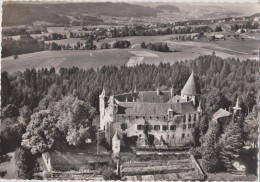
[176, 131]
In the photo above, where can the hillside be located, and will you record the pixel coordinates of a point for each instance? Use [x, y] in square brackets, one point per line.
[169, 8]
[24, 14]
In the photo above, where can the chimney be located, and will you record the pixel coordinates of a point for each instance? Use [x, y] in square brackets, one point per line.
[126, 99]
[158, 92]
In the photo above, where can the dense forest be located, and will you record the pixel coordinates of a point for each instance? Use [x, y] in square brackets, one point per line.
[227, 78]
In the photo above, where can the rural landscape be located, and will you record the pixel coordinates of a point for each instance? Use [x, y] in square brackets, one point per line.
[141, 91]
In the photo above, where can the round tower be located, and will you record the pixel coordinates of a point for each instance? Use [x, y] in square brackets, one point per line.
[190, 90]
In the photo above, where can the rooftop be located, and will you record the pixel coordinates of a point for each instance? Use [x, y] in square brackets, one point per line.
[143, 108]
[220, 114]
[190, 88]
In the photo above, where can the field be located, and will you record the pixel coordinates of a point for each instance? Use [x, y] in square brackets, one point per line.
[181, 50]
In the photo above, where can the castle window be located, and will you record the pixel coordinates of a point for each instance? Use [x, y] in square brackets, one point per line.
[189, 118]
[140, 136]
[136, 117]
[157, 117]
[172, 136]
[163, 117]
[188, 135]
[150, 127]
[123, 126]
[150, 117]
[194, 125]
[144, 117]
[189, 125]
[165, 127]
[184, 119]
[183, 135]
[194, 118]
[156, 127]
[140, 127]
[173, 127]
[184, 126]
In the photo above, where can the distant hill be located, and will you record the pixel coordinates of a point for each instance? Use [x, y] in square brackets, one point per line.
[169, 8]
[255, 15]
[24, 14]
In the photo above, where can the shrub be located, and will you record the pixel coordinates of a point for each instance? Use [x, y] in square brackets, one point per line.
[196, 152]
[109, 174]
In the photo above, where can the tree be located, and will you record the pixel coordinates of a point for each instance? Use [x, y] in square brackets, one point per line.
[143, 45]
[26, 163]
[203, 125]
[210, 158]
[251, 127]
[218, 28]
[74, 119]
[42, 132]
[230, 144]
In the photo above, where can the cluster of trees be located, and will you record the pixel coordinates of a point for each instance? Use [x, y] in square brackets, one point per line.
[157, 46]
[121, 44]
[52, 36]
[245, 25]
[139, 30]
[218, 28]
[13, 31]
[21, 46]
[188, 37]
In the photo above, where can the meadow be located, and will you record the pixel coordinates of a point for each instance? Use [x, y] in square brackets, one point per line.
[181, 50]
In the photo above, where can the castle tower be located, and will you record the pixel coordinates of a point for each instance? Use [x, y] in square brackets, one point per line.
[190, 90]
[116, 144]
[102, 109]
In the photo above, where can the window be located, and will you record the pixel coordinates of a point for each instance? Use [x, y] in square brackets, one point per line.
[188, 135]
[157, 117]
[150, 127]
[172, 136]
[123, 126]
[193, 125]
[165, 127]
[194, 117]
[144, 117]
[136, 117]
[173, 127]
[150, 117]
[183, 135]
[184, 118]
[189, 125]
[140, 136]
[139, 127]
[156, 127]
[184, 126]
[189, 118]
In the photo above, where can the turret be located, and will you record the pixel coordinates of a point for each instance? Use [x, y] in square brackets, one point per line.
[237, 108]
[190, 90]
[172, 92]
[116, 144]
[102, 108]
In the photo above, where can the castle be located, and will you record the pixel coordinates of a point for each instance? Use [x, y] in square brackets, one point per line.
[170, 119]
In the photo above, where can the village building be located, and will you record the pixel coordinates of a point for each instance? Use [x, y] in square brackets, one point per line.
[170, 119]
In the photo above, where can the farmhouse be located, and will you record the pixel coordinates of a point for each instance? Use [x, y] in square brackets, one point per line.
[158, 118]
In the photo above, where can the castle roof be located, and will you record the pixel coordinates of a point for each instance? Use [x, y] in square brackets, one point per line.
[220, 114]
[159, 109]
[176, 98]
[145, 96]
[190, 88]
